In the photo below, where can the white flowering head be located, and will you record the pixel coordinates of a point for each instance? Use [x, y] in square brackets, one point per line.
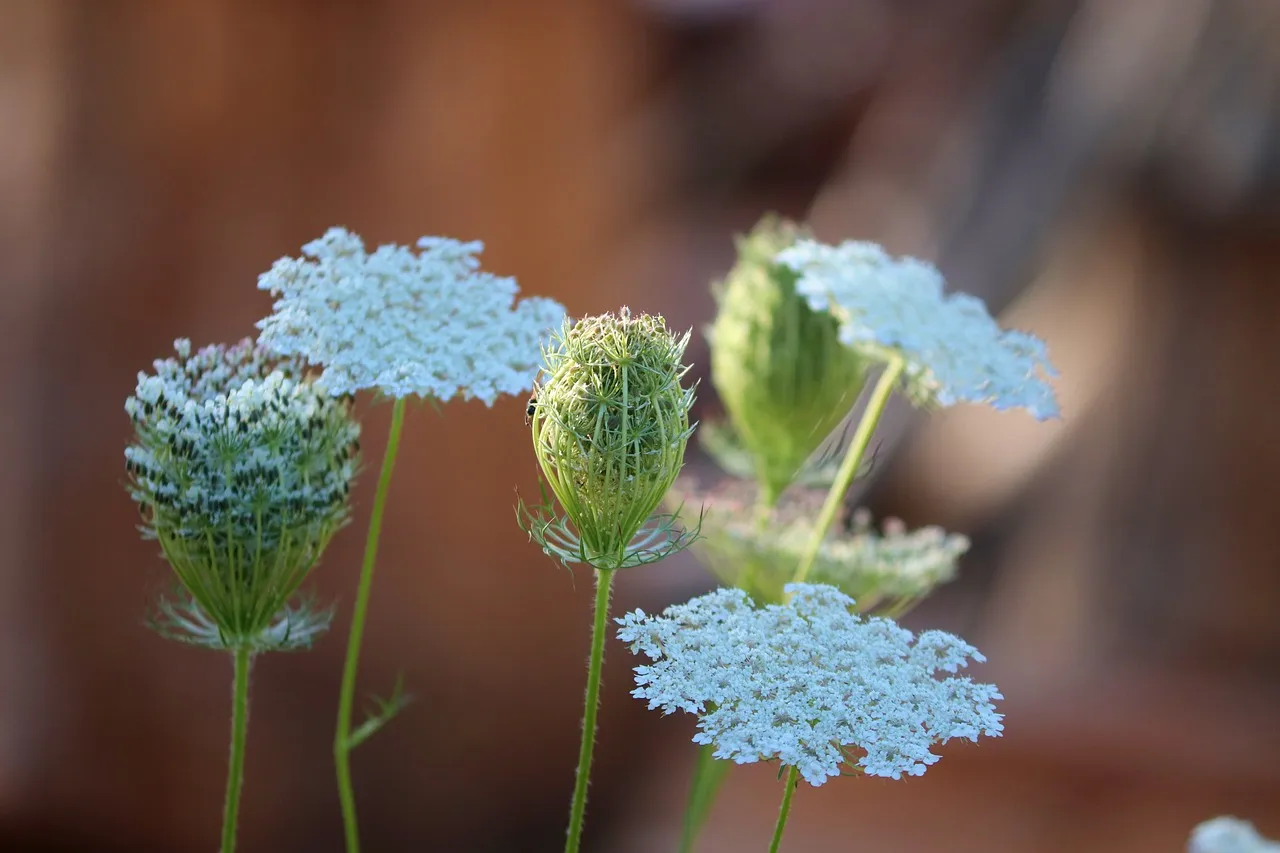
[953, 350]
[1229, 835]
[809, 682]
[610, 424]
[783, 375]
[241, 468]
[428, 323]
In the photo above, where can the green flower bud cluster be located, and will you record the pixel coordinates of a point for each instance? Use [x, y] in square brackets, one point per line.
[610, 423]
[241, 468]
[782, 373]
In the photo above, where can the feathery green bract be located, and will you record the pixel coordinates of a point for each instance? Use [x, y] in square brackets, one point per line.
[782, 373]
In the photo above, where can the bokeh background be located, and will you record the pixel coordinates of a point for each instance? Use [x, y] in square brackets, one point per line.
[1104, 172]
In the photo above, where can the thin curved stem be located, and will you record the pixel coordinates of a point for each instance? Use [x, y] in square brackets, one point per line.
[239, 728]
[849, 467]
[604, 580]
[785, 811]
[342, 743]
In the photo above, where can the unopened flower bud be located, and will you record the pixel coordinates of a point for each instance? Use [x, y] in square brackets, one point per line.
[782, 373]
[610, 424]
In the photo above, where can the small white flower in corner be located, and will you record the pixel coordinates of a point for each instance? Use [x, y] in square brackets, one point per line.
[1229, 835]
[807, 682]
[428, 323]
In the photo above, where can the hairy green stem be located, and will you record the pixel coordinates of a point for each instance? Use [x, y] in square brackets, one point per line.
[604, 580]
[342, 743]
[783, 812]
[239, 726]
[849, 467]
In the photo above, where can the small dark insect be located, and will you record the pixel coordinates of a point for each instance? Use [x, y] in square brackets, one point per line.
[531, 408]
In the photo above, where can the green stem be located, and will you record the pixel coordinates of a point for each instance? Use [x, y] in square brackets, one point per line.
[849, 467]
[239, 726]
[784, 811]
[604, 579]
[346, 697]
[708, 774]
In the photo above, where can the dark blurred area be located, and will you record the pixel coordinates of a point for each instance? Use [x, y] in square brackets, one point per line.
[1105, 172]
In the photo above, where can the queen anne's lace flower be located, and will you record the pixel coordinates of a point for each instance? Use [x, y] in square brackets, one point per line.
[954, 351]
[428, 323]
[1229, 835]
[241, 469]
[804, 682]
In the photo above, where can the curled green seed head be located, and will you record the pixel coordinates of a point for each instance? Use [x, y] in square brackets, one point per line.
[784, 377]
[610, 423]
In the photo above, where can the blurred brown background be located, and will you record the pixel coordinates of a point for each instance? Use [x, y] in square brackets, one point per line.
[1104, 171]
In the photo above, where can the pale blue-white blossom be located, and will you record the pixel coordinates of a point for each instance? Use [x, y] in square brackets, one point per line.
[428, 323]
[953, 350]
[1229, 835]
[809, 682]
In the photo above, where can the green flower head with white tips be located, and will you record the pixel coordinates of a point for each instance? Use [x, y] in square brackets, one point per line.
[610, 423]
[241, 468]
[781, 371]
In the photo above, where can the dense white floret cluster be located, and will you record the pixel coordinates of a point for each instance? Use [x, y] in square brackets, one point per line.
[428, 323]
[809, 681]
[1229, 835]
[230, 445]
[241, 468]
[954, 351]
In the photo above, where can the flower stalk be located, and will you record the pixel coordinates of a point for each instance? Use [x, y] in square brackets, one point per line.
[578, 808]
[343, 742]
[242, 662]
[849, 467]
[784, 811]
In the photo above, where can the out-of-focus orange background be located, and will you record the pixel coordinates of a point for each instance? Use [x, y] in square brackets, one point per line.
[1104, 172]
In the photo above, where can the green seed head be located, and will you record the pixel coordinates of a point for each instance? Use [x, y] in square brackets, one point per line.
[610, 422]
[785, 379]
[241, 468]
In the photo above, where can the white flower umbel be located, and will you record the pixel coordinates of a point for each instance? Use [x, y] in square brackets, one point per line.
[428, 323]
[241, 469]
[954, 352]
[807, 682]
[1229, 835]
